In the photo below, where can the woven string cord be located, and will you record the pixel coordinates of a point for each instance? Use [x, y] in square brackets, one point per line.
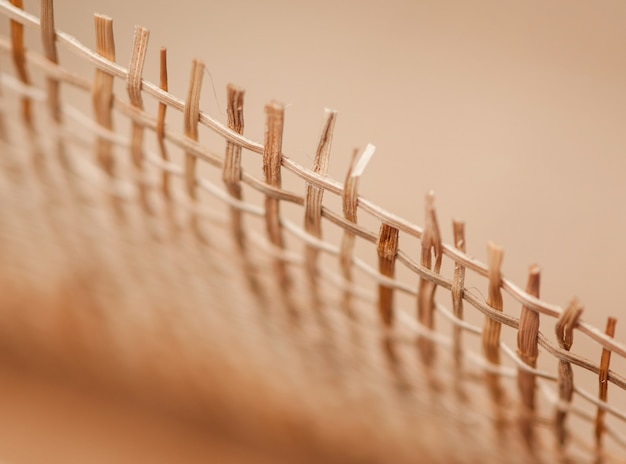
[558, 388]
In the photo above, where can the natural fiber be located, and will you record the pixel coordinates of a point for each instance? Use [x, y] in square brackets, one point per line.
[543, 396]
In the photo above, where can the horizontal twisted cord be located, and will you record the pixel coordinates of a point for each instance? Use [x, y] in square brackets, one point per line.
[129, 190]
[314, 179]
[259, 185]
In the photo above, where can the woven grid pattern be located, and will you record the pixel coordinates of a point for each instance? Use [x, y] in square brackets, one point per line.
[558, 387]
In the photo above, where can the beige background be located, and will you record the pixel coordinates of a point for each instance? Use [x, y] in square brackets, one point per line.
[511, 111]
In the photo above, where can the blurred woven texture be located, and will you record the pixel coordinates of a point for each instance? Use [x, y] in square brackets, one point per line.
[153, 163]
